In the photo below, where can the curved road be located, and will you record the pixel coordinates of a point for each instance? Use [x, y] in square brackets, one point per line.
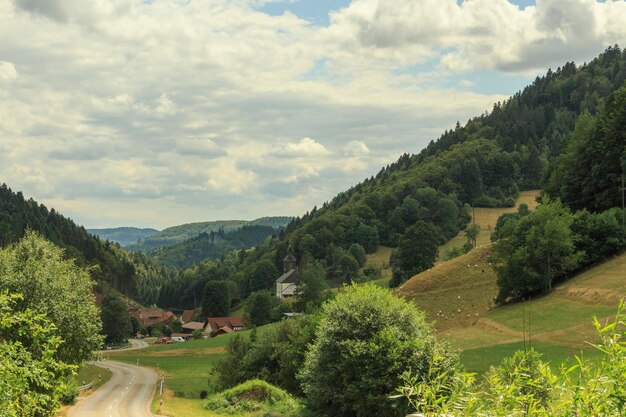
[127, 394]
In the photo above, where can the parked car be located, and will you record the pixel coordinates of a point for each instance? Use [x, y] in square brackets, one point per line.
[177, 339]
[162, 340]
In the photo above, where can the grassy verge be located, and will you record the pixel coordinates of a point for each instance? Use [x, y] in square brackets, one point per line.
[86, 374]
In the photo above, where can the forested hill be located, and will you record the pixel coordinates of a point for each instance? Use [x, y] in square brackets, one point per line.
[484, 163]
[130, 274]
[125, 236]
[177, 234]
[212, 245]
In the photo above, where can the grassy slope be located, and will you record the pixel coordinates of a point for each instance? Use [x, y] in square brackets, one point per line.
[560, 323]
[457, 296]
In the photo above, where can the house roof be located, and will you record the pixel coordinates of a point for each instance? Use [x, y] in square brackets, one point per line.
[231, 322]
[289, 277]
[186, 316]
[151, 315]
[193, 325]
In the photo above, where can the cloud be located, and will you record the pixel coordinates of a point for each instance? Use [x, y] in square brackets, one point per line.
[7, 71]
[82, 12]
[164, 112]
[201, 147]
[478, 34]
[306, 147]
[355, 148]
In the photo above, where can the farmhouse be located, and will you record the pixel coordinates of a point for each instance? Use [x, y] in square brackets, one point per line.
[287, 283]
[149, 316]
[193, 326]
[215, 326]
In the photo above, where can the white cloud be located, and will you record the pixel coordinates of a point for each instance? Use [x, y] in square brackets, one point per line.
[355, 148]
[306, 147]
[7, 71]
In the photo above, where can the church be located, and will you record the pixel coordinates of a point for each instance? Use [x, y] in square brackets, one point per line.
[287, 282]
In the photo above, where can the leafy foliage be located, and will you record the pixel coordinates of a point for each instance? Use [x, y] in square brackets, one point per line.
[262, 307]
[116, 324]
[539, 248]
[32, 379]
[57, 288]
[524, 385]
[275, 356]
[366, 339]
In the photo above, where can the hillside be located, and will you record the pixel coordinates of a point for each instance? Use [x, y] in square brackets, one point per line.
[176, 234]
[211, 245]
[485, 163]
[125, 236]
[18, 215]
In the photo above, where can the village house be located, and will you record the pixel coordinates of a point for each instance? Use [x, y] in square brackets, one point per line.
[150, 316]
[287, 283]
[192, 326]
[214, 326]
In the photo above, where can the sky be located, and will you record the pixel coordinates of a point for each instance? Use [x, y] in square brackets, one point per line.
[153, 113]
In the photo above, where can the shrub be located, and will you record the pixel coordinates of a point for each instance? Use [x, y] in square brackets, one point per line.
[253, 395]
[69, 391]
[367, 337]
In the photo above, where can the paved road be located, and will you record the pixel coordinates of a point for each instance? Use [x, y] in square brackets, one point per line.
[127, 394]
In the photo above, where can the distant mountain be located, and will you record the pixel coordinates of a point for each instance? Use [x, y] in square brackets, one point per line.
[125, 236]
[177, 234]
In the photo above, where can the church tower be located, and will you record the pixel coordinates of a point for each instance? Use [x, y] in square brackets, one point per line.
[290, 260]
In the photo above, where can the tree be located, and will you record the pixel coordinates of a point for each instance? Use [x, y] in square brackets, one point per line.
[471, 233]
[358, 253]
[539, 248]
[263, 275]
[56, 287]
[416, 252]
[367, 337]
[261, 308]
[348, 268]
[216, 299]
[31, 378]
[116, 324]
[312, 289]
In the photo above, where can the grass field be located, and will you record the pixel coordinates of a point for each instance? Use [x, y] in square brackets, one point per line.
[486, 218]
[455, 293]
[560, 324]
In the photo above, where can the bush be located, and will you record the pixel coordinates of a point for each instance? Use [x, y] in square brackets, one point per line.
[276, 355]
[254, 395]
[69, 391]
[367, 337]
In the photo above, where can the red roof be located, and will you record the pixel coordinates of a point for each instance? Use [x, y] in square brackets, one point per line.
[231, 322]
[187, 314]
